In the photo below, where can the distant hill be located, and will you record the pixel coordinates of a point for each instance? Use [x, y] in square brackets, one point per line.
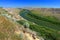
[46, 12]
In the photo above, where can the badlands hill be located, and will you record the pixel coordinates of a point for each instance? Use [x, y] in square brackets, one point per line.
[11, 30]
[12, 24]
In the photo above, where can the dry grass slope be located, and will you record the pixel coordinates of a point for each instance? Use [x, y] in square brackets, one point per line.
[6, 29]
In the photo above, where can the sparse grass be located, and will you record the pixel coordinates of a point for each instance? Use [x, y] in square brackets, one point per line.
[7, 29]
[45, 32]
[47, 27]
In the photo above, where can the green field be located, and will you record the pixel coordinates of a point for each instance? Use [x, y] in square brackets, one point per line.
[47, 27]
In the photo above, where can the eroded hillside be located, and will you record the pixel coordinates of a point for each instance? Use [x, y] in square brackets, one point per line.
[43, 24]
[11, 30]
